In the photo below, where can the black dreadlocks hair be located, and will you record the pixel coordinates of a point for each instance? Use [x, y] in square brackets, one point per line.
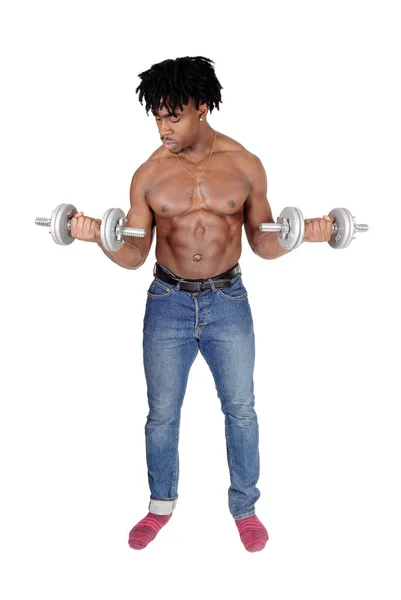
[179, 80]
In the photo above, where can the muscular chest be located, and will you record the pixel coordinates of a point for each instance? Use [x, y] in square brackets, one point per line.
[219, 191]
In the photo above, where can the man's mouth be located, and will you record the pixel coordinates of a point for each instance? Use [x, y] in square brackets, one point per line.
[168, 143]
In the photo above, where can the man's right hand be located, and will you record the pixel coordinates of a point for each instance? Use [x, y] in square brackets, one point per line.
[85, 228]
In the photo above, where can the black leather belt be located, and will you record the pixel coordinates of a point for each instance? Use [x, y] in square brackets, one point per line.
[223, 280]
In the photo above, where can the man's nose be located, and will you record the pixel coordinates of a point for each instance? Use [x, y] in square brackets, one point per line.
[165, 129]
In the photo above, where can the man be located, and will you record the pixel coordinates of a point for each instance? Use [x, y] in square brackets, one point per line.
[197, 190]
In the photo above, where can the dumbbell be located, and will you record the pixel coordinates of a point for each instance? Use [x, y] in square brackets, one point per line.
[112, 229]
[291, 227]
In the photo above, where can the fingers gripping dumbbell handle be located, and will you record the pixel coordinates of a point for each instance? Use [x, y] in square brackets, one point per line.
[284, 227]
[291, 228]
[120, 231]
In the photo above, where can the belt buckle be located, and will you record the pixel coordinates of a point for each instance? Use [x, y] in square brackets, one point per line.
[154, 269]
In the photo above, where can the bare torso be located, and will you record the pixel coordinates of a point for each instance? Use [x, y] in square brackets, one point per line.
[199, 223]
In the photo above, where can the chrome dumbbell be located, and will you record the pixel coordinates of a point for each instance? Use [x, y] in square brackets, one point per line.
[291, 228]
[112, 229]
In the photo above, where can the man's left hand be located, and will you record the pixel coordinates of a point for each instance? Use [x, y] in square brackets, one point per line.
[318, 230]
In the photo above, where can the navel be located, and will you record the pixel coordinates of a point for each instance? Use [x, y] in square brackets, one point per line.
[196, 257]
[231, 203]
[165, 208]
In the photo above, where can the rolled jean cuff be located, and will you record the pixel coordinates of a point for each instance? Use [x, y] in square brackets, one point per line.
[243, 516]
[162, 507]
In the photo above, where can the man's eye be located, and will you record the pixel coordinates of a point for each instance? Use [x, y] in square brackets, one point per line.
[176, 121]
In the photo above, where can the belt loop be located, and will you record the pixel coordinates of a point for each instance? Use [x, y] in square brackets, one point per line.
[178, 287]
[214, 289]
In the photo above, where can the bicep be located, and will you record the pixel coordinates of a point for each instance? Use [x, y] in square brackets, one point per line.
[257, 209]
[140, 215]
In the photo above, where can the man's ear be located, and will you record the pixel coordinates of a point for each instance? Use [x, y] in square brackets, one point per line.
[202, 112]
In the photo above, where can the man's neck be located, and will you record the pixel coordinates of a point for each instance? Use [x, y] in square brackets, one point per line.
[201, 148]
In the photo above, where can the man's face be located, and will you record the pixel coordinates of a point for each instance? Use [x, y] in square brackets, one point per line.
[182, 130]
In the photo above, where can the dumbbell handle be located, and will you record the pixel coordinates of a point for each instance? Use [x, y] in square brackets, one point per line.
[42, 222]
[125, 231]
[283, 227]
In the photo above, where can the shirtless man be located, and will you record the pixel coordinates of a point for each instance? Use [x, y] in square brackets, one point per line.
[197, 190]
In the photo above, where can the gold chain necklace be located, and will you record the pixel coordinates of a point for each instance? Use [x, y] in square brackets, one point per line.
[199, 176]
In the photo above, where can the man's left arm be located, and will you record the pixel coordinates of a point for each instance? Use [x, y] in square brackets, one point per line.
[257, 210]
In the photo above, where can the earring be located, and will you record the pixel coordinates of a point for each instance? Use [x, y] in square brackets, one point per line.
[201, 119]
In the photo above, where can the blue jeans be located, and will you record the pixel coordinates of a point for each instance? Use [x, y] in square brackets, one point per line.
[177, 324]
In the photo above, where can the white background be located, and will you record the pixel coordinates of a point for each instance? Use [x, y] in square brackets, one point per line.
[312, 88]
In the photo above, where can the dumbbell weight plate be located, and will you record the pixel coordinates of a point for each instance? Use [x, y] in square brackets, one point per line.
[344, 220]
[59, 224]
[297, 228]
[108, 229]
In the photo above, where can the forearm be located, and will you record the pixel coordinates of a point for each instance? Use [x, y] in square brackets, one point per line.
[266, 245]
[128, 257]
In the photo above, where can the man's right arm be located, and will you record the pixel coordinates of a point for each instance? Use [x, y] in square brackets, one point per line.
[135, 250]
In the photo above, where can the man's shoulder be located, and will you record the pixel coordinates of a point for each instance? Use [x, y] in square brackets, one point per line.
[146, 169]
[160, 153]
[236, 150]
[228, 144]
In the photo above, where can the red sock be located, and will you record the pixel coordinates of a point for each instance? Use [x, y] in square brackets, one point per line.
[146, 530]
[252, 532]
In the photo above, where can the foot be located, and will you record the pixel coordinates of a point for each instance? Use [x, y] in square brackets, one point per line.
[253, 533]
[146, 530]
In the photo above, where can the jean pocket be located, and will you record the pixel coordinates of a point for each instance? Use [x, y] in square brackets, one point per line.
[160, 289]
[236, 292]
